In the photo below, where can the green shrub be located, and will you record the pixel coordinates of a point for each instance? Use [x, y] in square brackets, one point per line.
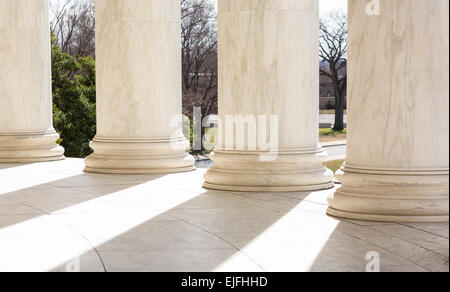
[73, 85]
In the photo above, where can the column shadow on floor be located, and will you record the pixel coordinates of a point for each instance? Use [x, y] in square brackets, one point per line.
[207, 232]
[169, 223]
[56, 195]
[223, 231]
[197, 235]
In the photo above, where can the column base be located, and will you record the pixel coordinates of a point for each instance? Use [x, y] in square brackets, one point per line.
[139, 156]
[287, 171]
[387, 218]
[390, 195]
[27, 147]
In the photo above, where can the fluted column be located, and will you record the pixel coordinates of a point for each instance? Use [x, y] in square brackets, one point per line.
[269, 68]
[398, 155]
[138, 88]
[26, 125]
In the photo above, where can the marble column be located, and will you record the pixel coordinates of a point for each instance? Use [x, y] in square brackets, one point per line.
[26, 124]
[398, 140]
[138, 88]
[269, 67]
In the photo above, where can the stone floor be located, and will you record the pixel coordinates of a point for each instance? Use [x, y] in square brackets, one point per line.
[54, 217]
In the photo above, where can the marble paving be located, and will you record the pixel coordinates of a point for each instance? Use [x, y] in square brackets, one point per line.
[55, 217]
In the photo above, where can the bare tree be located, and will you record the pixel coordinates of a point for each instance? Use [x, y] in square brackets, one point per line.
[73, 23]
[199, 51]
[333, 52]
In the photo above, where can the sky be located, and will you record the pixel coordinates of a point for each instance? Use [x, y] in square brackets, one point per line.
[329, 5]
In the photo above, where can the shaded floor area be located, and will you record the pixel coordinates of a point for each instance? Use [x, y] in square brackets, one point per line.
[55, 217]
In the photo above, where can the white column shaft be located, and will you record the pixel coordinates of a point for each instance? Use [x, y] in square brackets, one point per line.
[269, 66]
[398, 136]
[26, 127]
[138, 88]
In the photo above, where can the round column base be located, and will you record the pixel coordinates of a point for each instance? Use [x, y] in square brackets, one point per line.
[28, 147]
[391, 195]
[387, 218]
[139, 156]
[287, 171]
[263, 189]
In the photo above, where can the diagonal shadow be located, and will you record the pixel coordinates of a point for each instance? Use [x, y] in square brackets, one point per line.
[205, 233]
[223, 231]
[53, 195]
[169, 223]
[362, 246]
[160, 223]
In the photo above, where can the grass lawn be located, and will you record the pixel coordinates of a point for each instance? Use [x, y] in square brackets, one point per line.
[334, 165]
[330, 112]
[328, 135]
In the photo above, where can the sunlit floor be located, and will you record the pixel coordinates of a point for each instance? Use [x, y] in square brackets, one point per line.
[55, 217]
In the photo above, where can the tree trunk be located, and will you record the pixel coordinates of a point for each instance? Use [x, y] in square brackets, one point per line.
[339, 114]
